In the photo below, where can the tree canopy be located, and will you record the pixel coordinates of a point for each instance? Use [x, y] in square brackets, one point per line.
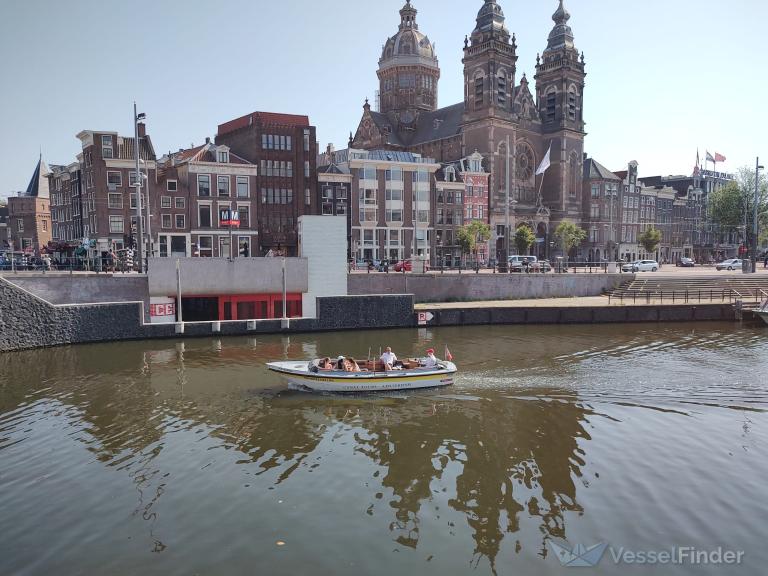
[469, 236]
[650, 239]
[569, 236]
[524, 238]
[732, 204]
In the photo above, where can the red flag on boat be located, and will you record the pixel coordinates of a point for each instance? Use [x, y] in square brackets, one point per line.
[448, 355]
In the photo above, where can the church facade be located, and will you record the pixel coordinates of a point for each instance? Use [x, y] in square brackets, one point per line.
[509, 121]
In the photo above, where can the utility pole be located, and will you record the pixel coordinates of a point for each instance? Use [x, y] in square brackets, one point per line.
[139, 227]
[757, 208]
[506, 212]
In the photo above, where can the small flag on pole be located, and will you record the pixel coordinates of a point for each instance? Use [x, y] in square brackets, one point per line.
[711, 158]
[719, 157]
[448, 355]
[545, 163]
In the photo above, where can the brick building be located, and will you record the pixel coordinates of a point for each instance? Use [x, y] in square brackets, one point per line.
[29, 215]
[107, 176]
[600, 208]
[4, 229]
[65, 183]
[284, 148]
[195, 191]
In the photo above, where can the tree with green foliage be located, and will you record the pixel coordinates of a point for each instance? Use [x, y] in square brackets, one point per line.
[569, 236]
[650, 239]
[470, 236]
[733, 205]
[524, 238]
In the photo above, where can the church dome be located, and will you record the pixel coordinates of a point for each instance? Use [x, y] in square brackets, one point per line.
[409, 45]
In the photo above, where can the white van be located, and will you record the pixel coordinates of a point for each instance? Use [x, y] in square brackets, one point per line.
[522, 259]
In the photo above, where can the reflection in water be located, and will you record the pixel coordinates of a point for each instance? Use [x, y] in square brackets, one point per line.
[505, 458]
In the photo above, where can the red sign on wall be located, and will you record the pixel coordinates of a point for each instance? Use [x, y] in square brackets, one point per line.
[158, 310]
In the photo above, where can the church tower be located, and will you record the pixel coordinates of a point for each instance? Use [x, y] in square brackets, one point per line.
[559, 93]
[408, 72]
[490, 64]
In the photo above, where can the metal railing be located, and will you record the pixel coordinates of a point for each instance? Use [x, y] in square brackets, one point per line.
[686, 296]
[74, 264]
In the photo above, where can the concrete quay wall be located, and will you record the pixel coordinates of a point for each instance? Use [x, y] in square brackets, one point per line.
[469, 287]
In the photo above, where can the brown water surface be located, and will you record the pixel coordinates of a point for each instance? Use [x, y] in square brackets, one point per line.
[190, 458]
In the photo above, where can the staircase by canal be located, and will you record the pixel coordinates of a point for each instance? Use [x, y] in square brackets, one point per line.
[747, 288]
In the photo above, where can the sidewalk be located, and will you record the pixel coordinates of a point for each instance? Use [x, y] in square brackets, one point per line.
[582, 302]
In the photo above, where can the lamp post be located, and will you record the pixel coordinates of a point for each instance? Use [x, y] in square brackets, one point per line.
[755, 231]
[139, 227]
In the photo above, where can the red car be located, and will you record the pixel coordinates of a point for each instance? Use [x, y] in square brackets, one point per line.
[407, 266]
[404, 264]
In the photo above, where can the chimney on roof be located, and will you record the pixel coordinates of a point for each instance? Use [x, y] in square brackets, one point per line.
[142, 129]
[207, 140]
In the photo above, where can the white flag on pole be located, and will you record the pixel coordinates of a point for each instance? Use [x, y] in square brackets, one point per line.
[545, 163]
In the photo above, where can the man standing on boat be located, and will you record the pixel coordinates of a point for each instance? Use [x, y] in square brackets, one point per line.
[388, 359]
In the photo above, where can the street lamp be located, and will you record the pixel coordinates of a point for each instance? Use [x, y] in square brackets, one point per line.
[139, 228]
[758, 167]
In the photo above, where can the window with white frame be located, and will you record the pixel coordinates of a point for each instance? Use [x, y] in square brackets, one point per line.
[165, 221]
[20, 225]
[107, 148]
[114, 200]
[223, 186]
[172, 185]
[307, 197]
[223, 157]
[116, 225]
[180, 203]
[204, 213]
[181, 221]
[165, 201]
[244, 215]
[114, 178]
[203, 185]
[242, 187]
[205, 246]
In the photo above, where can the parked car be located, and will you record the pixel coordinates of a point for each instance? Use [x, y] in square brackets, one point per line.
[641, 266]
[732, 264]
[521, 263]
[404, 264]
[686, 262]
[540, 266]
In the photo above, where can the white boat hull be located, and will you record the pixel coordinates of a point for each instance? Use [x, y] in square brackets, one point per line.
[298, 374]
[763, 314]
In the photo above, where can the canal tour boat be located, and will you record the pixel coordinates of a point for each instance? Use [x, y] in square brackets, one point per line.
[307, 375]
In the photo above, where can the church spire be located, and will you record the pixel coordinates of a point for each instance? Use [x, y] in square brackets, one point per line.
[561, 35]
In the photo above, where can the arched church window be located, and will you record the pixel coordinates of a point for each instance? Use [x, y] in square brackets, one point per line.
[479, 91]
[572, 97]
[551, 105]
[501, 89]
[574, 171]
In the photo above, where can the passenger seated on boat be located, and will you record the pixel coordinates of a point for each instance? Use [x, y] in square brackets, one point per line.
[341, 363]
[350, 365]
[430, 361]
[326, 364]
[388, 359]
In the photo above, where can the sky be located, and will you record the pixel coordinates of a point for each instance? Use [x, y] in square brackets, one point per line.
[665, 77]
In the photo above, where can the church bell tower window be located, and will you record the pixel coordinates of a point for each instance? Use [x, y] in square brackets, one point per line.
[551, 104]
[502, 90]
[478, 92]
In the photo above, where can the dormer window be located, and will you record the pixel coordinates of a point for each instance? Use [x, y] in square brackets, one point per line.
[223, 157]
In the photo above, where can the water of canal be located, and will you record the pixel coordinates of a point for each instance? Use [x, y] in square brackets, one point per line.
[190, 458]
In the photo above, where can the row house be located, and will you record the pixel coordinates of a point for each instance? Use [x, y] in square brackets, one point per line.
[284, 148]
[29, 215]
[334, 185]
[108, 181]
[657, 210]
[65, 185]
[461, 197]
[600, 210]
[4, 229]
[392, 204]
[196, 193]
